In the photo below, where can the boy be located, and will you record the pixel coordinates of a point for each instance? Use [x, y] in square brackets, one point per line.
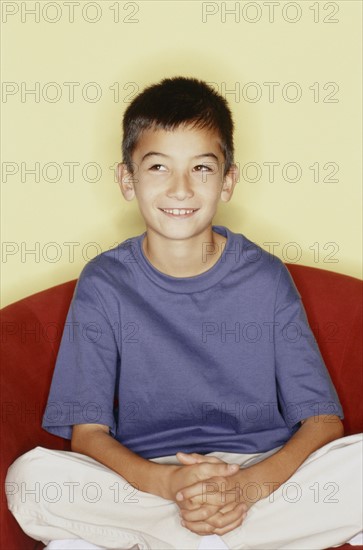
[187, 349]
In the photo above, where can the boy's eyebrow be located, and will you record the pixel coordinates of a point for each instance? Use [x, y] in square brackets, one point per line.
[151, 153]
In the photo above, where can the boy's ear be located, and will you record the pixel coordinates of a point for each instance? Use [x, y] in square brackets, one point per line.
[126, 181]
[229, 182]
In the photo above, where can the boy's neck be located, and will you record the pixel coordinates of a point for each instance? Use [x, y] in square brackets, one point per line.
[184, 258]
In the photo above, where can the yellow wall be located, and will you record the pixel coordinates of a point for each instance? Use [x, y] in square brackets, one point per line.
[318, 56]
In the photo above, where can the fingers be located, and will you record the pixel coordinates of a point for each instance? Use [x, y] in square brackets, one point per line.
[232, 505]
[188, 504]
[218, 499]
[222, 520]
[187, 458]
[210, 513]
[219, 523]
[230, 527]
[199, 528]
[194, 458]
[210, 491]
[200, 513]
[206, 472]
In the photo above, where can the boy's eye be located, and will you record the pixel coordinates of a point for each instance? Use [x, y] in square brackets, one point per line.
[199, 168]
[205, 167]
[153, 167]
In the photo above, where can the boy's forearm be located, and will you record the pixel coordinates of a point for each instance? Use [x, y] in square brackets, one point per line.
[275, 470]
[141, 473]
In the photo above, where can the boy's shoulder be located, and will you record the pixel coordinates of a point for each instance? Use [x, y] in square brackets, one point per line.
[258, 269]
[249, 253]
[111, 262]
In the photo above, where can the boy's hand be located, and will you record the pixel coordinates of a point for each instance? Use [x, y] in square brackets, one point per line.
[178, 477]
[212, 506]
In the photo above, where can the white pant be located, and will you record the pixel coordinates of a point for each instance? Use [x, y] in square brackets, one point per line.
[68, 495]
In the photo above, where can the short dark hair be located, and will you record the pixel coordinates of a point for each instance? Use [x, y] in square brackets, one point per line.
[175, 101]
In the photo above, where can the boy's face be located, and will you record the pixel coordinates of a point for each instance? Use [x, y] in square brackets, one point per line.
[178, 169]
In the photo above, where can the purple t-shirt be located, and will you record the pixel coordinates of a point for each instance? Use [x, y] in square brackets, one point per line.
[222, 361]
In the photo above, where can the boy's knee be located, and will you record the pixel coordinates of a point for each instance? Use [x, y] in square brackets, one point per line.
[24, 475]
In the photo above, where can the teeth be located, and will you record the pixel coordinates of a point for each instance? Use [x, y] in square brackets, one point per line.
[178, 212]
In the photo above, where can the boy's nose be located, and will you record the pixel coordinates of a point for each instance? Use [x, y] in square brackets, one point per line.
[180, 186]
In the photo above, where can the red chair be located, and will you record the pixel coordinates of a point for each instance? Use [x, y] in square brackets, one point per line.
[31, 330]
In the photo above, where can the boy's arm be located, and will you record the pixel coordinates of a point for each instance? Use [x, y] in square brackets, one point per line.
[95, 441]
[163, 480]
[315, 432]
[276, 469]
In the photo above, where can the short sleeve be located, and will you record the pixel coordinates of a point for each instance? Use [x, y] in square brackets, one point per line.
[304, 385]
[83, 384]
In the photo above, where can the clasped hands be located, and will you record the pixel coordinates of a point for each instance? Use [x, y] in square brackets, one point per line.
[208, 493]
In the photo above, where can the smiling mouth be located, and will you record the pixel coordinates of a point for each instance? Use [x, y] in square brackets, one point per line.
[179, 212]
